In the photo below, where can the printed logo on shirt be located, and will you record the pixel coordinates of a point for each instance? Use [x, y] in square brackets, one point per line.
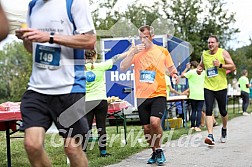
[90, 76]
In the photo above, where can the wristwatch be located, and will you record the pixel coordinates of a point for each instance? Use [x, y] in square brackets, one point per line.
[51, 41]
[220, 66]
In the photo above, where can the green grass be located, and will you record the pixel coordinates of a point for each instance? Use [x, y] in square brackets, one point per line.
[118, 150]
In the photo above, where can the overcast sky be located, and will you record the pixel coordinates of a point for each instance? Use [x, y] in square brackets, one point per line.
[243, 9]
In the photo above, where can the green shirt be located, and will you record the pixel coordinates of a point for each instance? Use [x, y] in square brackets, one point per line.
[243, 80]
[196, 84]
[218, 82]
[96, 90]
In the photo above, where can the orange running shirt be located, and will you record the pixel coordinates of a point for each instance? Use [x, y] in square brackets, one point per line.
[155, 60]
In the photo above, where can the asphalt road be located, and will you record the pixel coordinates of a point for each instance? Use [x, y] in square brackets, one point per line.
[190, 150]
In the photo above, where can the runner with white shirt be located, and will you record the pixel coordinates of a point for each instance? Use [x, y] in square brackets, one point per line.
[57, 84]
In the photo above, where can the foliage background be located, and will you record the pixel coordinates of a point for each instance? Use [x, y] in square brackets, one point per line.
[15, 69]
[191, 20]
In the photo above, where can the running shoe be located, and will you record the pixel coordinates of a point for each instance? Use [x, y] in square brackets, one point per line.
[160, 158]
[152, 158]
[105, 155]
[210, 140]
[223, 135]
[197, 129]
[245, 113]
[215, 124]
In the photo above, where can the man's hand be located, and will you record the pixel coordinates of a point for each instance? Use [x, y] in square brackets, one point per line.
[32, 35]
[139, 48]
[216, 63]
[20, 32]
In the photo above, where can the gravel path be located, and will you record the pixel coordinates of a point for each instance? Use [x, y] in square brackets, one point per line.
[191, 151]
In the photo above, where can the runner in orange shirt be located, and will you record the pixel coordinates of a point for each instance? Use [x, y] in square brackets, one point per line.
[150, 62]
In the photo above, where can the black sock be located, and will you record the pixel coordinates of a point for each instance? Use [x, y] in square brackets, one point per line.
[159, 150]
[210, 135]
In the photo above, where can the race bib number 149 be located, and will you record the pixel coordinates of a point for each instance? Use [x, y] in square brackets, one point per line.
[47, 57]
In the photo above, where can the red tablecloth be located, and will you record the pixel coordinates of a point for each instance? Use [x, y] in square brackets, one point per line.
[117, 106]
[12, 115]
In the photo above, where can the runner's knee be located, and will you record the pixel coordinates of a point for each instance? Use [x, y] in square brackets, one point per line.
[223, 113]
[209, 113]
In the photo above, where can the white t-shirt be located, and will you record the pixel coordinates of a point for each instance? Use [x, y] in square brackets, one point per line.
[58, 69]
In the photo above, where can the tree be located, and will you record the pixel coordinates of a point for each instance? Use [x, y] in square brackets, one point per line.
[242, 57]
[142, 14]
[194, 21]
[104, 17]
[248, 50]
[15, 69]
[136, 13]
[218, 21]
[124, 23]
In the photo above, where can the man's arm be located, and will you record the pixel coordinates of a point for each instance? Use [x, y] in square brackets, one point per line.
[229, 64]
[122, 55]
[126, 63]
[4, 24]
[79, 41]
[174, 73]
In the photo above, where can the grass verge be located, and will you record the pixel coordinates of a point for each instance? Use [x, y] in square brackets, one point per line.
[115, 146]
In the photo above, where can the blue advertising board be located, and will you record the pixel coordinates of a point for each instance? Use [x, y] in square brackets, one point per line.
[118, 83]
[180, 52]
[121, 83]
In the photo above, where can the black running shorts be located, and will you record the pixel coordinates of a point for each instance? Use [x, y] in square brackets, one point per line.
[151, 107]
[66, 111]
